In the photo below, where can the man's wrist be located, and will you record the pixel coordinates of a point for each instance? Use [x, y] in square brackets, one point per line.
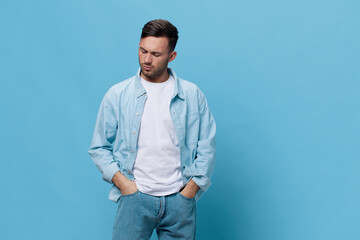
[193, 186]
[119, 179]
[190, 189]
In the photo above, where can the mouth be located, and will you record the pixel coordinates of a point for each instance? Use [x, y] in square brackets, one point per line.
[147, 67]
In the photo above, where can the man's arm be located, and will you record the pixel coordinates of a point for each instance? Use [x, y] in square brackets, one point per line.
[203, 165]
[101, 148]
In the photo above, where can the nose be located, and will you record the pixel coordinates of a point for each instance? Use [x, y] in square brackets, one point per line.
[147, 59]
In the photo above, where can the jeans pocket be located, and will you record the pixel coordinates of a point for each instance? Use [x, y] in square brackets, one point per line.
[131, 194]
[186, 198]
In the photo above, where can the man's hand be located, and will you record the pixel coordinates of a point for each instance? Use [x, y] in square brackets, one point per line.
[190, 189]
[125, 185]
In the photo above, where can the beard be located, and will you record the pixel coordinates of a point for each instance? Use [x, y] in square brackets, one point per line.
[154, 71]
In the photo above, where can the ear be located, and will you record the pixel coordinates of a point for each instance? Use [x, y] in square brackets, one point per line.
[172, 56]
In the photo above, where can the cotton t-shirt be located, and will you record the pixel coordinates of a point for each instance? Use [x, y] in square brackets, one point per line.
[157, 164]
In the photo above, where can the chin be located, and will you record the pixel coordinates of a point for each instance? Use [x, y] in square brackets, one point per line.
[147, 74]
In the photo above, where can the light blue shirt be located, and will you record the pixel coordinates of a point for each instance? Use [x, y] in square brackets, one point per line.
[114, 143]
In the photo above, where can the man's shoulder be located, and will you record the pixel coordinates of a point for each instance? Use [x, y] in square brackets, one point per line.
[121, 86]
[187, 84]
[117, 90]
[190, 88]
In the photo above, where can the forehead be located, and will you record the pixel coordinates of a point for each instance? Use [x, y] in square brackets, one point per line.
[154, 44]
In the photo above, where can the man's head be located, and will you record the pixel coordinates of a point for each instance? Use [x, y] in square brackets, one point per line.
[156, 49]
[161, 28]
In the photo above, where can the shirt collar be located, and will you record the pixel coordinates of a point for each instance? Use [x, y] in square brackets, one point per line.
[140, 90]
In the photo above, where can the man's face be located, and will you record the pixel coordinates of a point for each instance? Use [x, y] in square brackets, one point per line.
[154, 56]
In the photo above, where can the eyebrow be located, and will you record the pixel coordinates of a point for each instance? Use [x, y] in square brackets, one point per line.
[150, 51]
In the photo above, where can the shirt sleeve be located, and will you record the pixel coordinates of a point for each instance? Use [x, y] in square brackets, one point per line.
[101, 148]
[204, 162]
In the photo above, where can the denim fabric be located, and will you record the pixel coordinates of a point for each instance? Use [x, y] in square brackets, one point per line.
[114, 144]
[138, 214]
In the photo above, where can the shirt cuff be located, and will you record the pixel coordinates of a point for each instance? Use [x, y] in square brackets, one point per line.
[202, 181]
[110, 171]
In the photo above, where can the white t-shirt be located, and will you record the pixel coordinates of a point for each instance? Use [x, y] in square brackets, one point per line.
[157, 164]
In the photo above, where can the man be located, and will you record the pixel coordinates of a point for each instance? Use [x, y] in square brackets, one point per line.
[154, 139]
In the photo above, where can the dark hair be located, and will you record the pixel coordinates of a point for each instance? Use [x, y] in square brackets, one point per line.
[161, 28]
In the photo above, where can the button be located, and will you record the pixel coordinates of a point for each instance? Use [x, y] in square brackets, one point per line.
[137, 114]
[133, 133]
[132, 151]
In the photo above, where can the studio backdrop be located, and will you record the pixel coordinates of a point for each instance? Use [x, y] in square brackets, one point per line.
[282, 80]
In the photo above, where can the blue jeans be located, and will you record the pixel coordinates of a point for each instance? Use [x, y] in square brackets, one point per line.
[138, 214]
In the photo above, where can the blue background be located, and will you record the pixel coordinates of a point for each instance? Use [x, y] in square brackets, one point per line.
[282, 81]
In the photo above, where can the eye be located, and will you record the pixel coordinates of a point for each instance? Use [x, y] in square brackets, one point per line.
[157, 54]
